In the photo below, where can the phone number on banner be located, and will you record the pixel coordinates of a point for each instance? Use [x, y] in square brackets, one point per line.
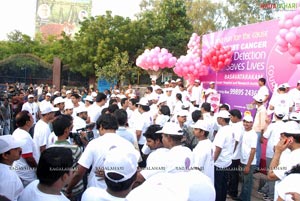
[243, 92]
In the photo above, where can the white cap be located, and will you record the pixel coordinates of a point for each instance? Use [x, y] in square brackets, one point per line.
[258, 98]
[94, 94]
[8, 142]
[56, 92]
[212, 82]
[185, 105]
[282, 86]
[201, 124]
[162, 99]
[192, 99]
[198, 81]
[46, 108]
[223, 114]
[121, 96]
[81, 109]
[295, 116]
[279, 112]
[30, 96]
[157, 87]
[48, 94]
[132, 96]
[178, 80]
[171, 129]
[69, 105]
[291, 128]
[123, 162]
[167, 83]
[173, 81]
[286, 85]
[169, 89]
[248, 118]
[68, 92]
[182, 113]
[153, 96]
[113, 96]
[143, 101]
[58, 100]
[298, 82]
[89, 98]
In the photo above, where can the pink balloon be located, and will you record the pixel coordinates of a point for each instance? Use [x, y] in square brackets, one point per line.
[220, 64]
[282, 49]
[227, 62]
[221, 58]
[297, 31]
[283, 32]
[214, 59]
[290, 37]
[293, 50]
[281, 41]
[297, 57]
[288, 23]
[281, 24]
[293, 61]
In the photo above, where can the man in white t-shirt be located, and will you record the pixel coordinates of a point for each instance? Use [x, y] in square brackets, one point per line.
[283, 160]
[233, 176]
[197, 90]
[203, 157]
[26, 165]
[224, 145]
[120, 171]
[211, 90]
[95, 152]
[295, 96]
[10, 150]
[248, 158]
[33, 108]
[42, 130]
[54, 171]
[263, 90]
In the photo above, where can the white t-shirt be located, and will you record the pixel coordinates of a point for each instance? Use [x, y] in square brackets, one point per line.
[263, 91]
[289, 184]
[96, 194]
[78, 123]
[162, 119]
[10, 185]
[156, 163]
[135, 115]
[31, 192]
[225, 140]
[295, 96]
[273, 135]
[249, 141]
[24, 171]
[238, 130]
[95, 153]
[179, 158]
[32, 108]
[197, 94]
[282, 101]
[204, 158]
[41, 134]
[142, 124]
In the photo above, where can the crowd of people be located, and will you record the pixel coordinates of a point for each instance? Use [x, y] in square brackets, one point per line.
[168, 143]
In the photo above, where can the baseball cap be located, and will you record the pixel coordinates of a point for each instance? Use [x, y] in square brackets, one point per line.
[121, 162]
[58, 100]
[282, 86]
[161, 100]
[178, 80]
[113, 96]
[258, 98]
[30, 96]
[48, 94]
[172, 81]
[56, 92]
[68, 92]
[182, 113]
[212, 82]
[166, 83]
[286, 85]
[295, 116]
[69, 105]
[171, 129]
[89, 98]
[291, 128]
[143, 101]
[248, 118]
[185, 105]
[132, 96]
[198, 81]
[298, 82]
[94, 94]
[81, 109]
[201, 124]
[8, 142]
[46, 108]
[223, 114]
[278, 112]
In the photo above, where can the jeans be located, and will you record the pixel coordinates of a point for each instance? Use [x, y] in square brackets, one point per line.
[258, 150]
[221, 183]
[268, 188]
[247, 184]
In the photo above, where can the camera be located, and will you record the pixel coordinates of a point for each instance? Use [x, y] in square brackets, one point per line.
[76, 135]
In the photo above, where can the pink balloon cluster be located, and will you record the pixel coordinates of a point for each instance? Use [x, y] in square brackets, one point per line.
[288, 38]
[156, 59]
[190, 66]
[218, 57]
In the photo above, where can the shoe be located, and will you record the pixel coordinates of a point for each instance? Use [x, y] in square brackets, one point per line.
[261, 192]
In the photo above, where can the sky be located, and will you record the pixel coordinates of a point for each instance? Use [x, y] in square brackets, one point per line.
[20, 14]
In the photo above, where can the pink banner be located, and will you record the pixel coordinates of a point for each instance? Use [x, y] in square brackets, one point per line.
[255, 56]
